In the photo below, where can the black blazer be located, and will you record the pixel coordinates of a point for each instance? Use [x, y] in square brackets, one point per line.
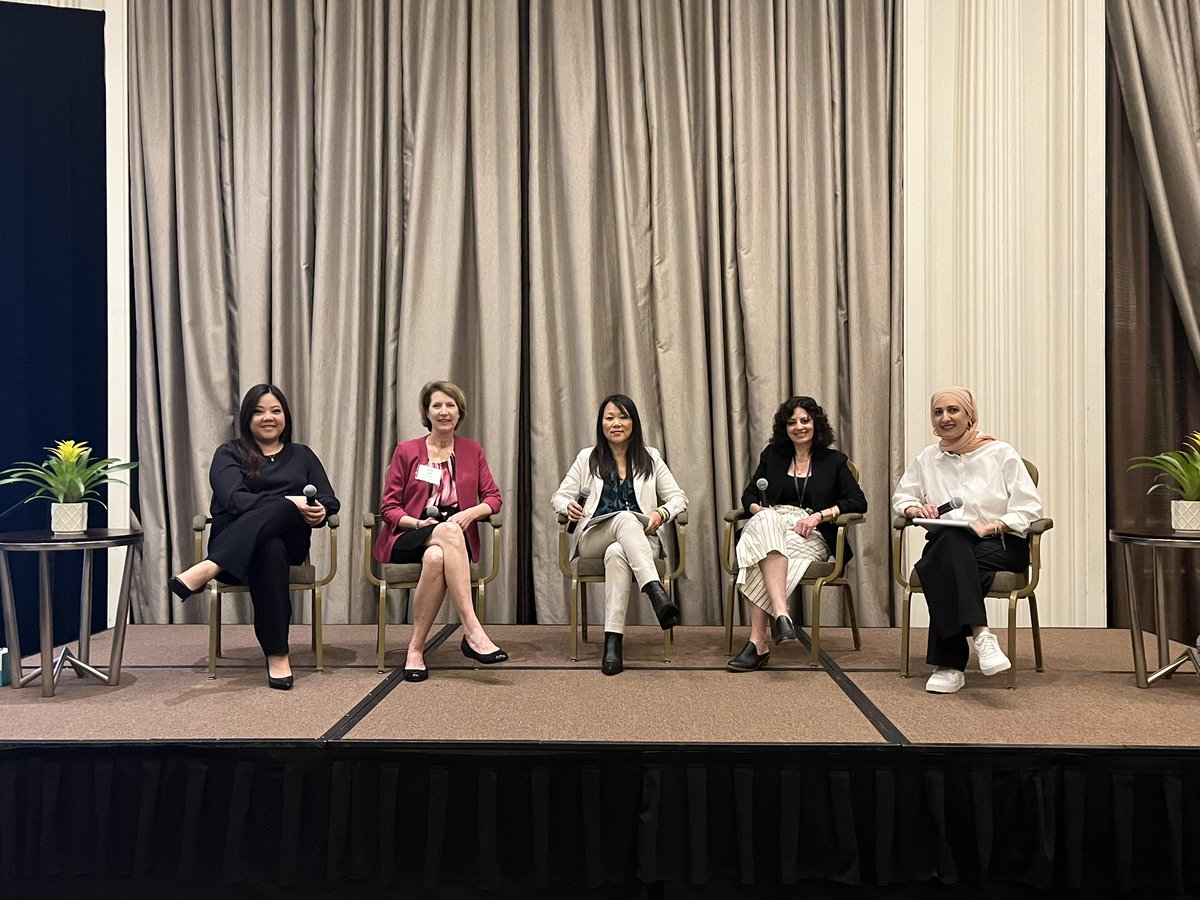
[832, 484]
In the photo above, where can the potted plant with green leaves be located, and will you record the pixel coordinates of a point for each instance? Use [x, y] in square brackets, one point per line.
[1179, 473]
[69, 477]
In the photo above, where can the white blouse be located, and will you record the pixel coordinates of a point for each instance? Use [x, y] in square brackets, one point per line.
[992, 482]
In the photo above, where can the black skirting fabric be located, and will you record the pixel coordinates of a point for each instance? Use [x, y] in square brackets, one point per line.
[957, 568]
[417, 820]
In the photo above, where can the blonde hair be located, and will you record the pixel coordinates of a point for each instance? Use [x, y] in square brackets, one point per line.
[451, 390]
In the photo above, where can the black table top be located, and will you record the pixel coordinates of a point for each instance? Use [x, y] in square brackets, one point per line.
[92, 539]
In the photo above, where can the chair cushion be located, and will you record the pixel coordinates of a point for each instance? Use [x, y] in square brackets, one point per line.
[303, 574]
[1003, 583]
[818, 570]
[410, 573]
[594, 567]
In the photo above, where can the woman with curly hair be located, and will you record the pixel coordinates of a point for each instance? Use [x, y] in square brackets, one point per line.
[808, 485]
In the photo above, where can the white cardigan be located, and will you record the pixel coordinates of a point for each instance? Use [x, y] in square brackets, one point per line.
[661, 489]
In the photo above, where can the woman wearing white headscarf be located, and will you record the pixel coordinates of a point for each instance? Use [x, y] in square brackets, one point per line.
[958, 565]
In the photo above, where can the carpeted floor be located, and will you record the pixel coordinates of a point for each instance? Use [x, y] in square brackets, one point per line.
[1086, 696]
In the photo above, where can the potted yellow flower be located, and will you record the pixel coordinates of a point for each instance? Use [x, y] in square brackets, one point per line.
[1179, 473]
[70, 477]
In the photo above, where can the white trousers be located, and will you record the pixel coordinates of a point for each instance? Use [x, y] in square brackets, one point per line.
[628, 554]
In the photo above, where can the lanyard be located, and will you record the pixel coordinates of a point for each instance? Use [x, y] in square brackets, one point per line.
[796, 482]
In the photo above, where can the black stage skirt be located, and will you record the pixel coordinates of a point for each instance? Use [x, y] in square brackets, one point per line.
[410, 545]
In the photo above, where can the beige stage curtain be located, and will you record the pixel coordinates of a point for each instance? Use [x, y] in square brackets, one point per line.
[691, 202]
[1153, 381]
[711, 202]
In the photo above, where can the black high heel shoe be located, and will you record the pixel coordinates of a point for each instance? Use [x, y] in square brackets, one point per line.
[783, 630]
[487, 659]
[180, 590]
[279, 684]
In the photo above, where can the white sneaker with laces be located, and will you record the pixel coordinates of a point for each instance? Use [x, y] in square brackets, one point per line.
[991, 658]
[945, 681]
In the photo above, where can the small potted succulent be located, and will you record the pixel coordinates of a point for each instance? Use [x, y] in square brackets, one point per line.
[1179, 473]
[70, 478]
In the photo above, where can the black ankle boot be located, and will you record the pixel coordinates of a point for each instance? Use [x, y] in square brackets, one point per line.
[784, 630]
[667, 612]
[612, 664]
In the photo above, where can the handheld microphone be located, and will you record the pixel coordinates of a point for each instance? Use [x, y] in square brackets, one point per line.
[952, 503]
[432, 512]
[761, 484]
[310, 492]
[585, 491]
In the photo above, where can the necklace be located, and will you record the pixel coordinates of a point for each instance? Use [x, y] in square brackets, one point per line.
[801, 493]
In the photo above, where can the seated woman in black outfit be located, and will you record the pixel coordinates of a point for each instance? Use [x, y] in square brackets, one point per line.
[261, 521]
[808, 485]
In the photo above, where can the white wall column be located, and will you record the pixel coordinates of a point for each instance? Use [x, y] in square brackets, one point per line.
[1004, 254]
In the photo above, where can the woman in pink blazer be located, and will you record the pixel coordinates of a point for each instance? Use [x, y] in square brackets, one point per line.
[437, 488]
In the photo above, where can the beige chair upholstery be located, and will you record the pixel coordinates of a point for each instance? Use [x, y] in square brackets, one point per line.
[300, 578]
[582, 572]
[404, 576]
[1010, 586]
[817, 576]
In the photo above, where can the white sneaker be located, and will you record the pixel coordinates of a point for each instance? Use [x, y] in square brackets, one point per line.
[945, 681]
[991, 658]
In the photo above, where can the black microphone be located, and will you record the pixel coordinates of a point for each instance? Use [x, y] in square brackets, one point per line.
[432, 512]
[761, 484]
[585, 491]
[952, 503]
[310, 492]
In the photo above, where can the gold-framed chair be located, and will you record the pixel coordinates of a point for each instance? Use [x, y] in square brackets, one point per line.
[818, 576]
[582, 572]
[1010, 586]
[300, 578]
[404, 576]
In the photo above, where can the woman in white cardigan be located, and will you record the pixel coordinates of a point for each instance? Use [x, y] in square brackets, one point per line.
[630, 494]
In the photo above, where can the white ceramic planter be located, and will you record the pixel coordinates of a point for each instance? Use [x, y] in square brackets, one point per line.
[1185, 515]
[71, 518]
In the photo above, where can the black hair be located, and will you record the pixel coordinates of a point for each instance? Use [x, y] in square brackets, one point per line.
[602, 464]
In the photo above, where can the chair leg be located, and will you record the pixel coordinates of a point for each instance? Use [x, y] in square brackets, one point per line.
[668, 586]
[481, 603]
[851, 614]
[730, 608]
[905, 608]
[381, 630]
[1037, 633]
[583, 599]
[1012, 641]
[214, 629]
[815, 628]
[573, 603]
[318, 628]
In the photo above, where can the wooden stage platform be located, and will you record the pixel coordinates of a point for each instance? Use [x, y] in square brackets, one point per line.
[673, 773]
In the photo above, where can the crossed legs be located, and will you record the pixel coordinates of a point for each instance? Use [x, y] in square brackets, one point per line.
[774, 572]
[445, 570]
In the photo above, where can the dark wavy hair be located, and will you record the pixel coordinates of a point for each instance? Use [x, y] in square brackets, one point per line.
[822, 430]
[601, 463]
[252, 457]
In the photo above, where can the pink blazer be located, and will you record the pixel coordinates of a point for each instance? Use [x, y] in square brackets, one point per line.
[405, 495]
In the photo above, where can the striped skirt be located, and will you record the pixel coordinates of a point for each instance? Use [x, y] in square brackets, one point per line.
[771, 530]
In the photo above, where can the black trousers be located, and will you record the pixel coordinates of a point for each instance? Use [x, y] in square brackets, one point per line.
[956, 569]
[257, 549]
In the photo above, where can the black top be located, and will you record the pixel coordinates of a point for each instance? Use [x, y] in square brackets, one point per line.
[234, 492]
[829, 484]
[617, 496]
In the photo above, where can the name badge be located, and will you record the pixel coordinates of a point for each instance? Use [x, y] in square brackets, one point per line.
[429, 474]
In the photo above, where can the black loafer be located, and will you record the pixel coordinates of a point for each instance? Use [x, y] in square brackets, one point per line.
[487, 659]
[749, 659]
[783, 630]
[415, 675]
[612, 663]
